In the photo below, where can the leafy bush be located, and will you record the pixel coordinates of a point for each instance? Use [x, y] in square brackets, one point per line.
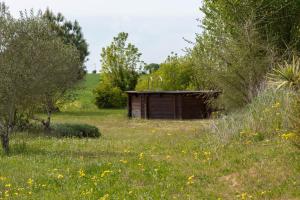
[76, 130]
[174, 74]
[110, 97]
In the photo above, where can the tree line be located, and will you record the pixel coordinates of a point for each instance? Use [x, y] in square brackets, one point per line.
[240, 42]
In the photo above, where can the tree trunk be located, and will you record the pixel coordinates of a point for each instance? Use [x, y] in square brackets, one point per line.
[47, 122]
[5, 140]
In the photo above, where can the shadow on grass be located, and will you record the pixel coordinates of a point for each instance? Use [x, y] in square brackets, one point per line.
[23, 149]
[95, 113]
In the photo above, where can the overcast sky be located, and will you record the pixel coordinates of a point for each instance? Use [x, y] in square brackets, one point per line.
[156, 27]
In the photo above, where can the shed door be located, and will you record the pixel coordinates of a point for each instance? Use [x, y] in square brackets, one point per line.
[136, 106]
[161, 107]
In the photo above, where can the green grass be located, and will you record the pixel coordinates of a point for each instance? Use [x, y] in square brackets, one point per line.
[147, 160]
[140, 159]
[85, 96]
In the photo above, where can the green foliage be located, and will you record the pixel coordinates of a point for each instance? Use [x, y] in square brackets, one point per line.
[71, 34]
[36, 68]
[241, 42]
[76, 130]
[276, 21]
[121, 66]
[150, 68]
[174, 74]
[121, 63]
[286, 76]
[108, 96]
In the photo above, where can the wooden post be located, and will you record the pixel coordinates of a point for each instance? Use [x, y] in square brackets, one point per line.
[146, 106]
[129, 106]
[175, 106]
[180, 105]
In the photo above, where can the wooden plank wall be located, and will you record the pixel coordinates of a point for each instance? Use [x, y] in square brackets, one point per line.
[136, 106]
[168, 106]
[161, 106]
[193, 107]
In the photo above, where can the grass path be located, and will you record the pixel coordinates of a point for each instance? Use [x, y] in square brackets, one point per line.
[137, 159]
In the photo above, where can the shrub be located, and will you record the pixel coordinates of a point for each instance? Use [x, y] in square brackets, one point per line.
[286, 76]
[110, 97]
[175, 74]
[76, 130]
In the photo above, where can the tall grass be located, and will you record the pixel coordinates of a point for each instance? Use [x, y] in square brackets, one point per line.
[270, 114]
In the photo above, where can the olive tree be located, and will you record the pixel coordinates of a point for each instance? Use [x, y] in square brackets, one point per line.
[35, 67]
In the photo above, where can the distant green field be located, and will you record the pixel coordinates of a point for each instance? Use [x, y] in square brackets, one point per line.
[85, 96]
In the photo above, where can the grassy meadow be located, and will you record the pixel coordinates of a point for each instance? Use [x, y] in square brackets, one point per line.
[141, 159]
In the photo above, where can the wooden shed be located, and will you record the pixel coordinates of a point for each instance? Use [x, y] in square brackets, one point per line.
[170, 104]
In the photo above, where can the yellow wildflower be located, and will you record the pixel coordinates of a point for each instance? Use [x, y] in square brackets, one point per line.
[105, 197]
[190, 180]
[288, 136]
[60, 176]
[2, 178]
[81, 173]
[124, 161]
[195, 155]
[130, 192]
[276, 105]
[105, 172]
[263, 192]
[29, 181]
[141, 156]
[8, 185]
[244, 196]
